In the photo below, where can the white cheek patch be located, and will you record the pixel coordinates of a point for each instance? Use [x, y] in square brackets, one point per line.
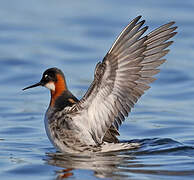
[50, 86]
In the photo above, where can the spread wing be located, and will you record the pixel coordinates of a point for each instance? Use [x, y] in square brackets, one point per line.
[123, 76]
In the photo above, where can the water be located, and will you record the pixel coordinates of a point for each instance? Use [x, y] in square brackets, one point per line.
[74, 36]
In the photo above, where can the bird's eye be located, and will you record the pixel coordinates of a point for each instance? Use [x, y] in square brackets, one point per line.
[46, 77]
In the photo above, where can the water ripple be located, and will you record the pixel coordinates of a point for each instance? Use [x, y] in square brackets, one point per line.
[36, 35]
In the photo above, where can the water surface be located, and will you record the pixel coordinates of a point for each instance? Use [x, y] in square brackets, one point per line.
[74, 36]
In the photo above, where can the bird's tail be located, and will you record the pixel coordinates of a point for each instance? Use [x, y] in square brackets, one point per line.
[110, 147]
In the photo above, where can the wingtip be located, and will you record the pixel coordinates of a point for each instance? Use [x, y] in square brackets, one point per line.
[172, 22]
[146, 28]
[169, 43]
[173, 33]
[175, 27]
[143, 21]
[137, 18]
[162, 61]
[166, 51]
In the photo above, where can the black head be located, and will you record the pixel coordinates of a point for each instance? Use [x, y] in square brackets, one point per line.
[49, 78]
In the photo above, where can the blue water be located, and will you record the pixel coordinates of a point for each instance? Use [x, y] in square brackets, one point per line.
[74, 36]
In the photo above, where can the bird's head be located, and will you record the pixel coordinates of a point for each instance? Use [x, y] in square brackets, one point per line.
[52, 79]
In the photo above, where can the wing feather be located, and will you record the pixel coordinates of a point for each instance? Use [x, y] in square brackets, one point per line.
[122, 77]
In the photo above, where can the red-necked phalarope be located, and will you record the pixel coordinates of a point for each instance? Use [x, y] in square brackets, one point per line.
[92, 123]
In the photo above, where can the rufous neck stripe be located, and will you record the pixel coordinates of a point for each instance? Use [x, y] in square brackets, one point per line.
[60, 87]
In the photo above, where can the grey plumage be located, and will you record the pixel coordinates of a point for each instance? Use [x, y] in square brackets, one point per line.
[119, 81]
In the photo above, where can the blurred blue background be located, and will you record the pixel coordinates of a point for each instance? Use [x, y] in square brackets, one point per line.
[74, 36]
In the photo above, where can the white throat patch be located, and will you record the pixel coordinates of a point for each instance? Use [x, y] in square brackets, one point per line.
[50, 86]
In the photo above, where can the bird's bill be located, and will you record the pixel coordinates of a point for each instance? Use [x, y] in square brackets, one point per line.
[32, 86]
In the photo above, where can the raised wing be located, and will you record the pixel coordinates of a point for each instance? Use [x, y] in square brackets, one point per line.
[123, 76]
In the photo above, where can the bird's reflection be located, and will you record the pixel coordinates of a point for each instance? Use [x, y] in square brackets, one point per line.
[103, 165]
[64, 173]
[145, 160]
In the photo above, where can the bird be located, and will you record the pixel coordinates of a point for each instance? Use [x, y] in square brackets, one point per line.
[92, 123]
